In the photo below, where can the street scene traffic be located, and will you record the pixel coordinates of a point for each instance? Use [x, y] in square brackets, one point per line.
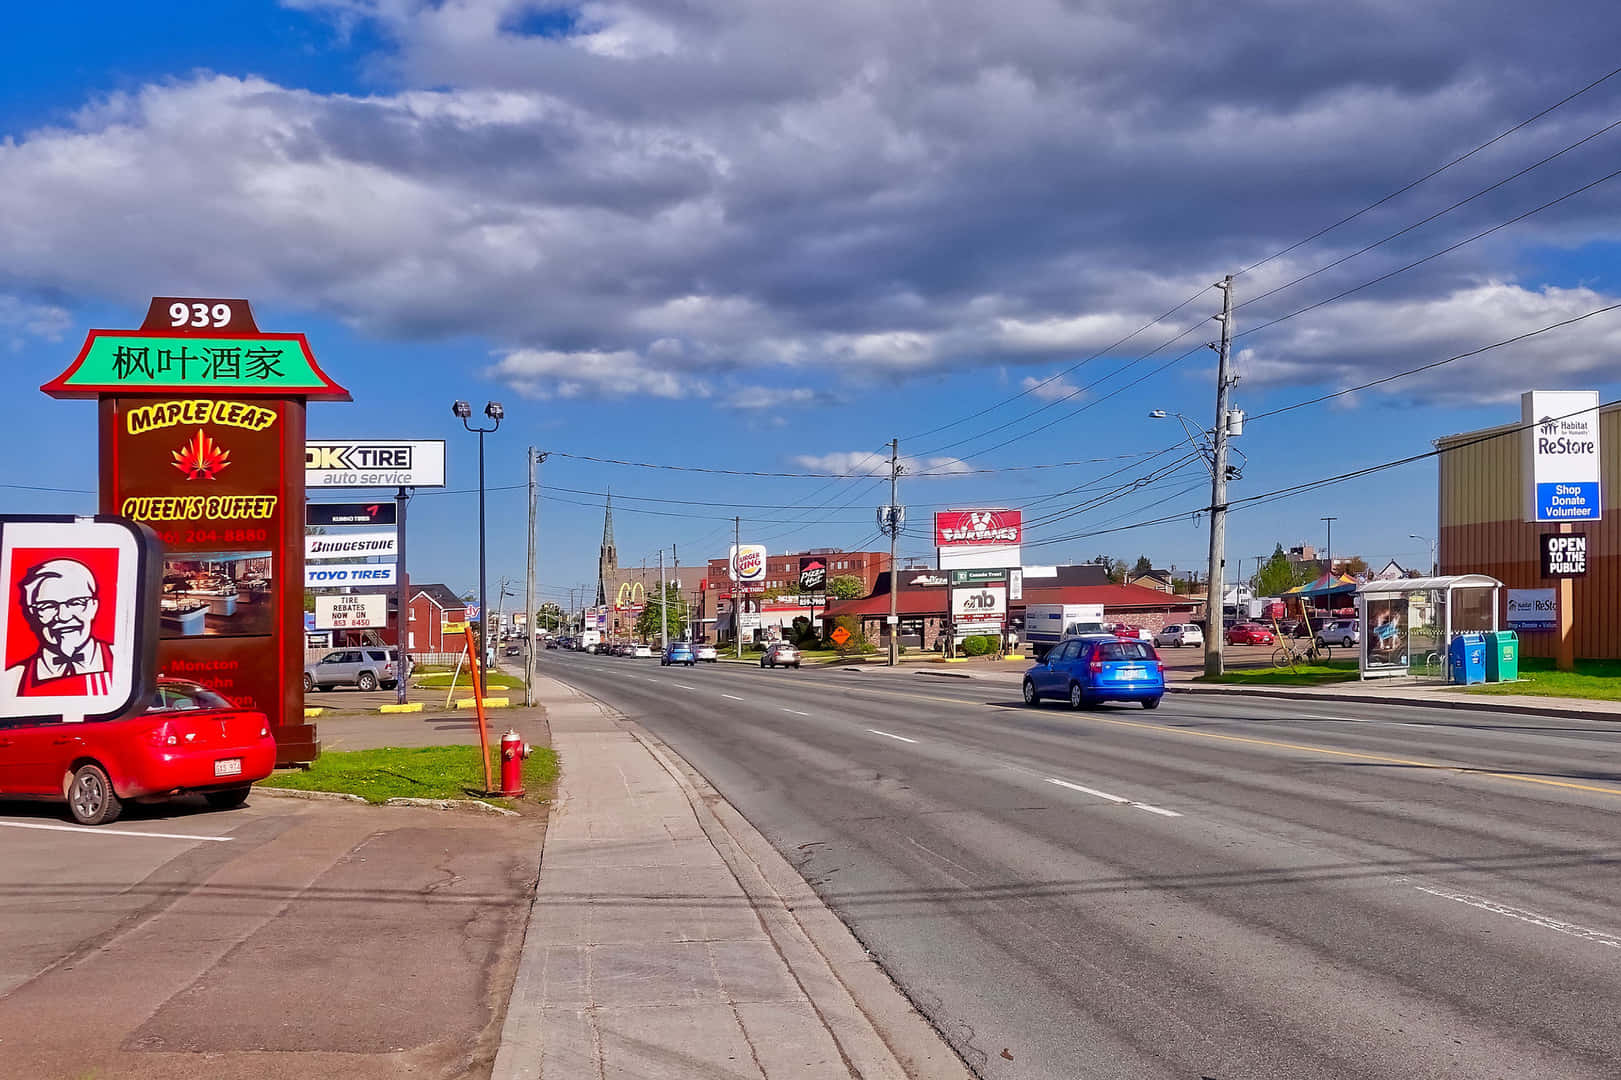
[651, 541]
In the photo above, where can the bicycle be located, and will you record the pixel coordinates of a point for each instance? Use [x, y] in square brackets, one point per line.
[1286, 656]
[1434, 665]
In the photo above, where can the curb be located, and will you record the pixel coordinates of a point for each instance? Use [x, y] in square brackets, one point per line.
[410, 706]
[489, 703]
[1474, 704]
[312, 711]
[313, 796]
[343, 796]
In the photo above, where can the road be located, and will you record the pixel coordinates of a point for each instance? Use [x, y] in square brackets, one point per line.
[1225, 888]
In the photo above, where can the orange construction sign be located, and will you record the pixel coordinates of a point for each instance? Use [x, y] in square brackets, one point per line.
[840, 636]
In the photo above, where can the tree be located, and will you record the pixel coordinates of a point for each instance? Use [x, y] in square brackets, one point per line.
[1117, 571]
[1356, 566]
[674, 609]
[846, 587]
[1278, 574]
[549, 617]
[1142, 566]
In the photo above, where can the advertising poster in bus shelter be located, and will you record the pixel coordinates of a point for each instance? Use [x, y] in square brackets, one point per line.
[1384, 635]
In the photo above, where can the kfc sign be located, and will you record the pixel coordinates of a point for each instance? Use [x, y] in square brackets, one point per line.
[748, 562]
[80, 631]
[960, 528]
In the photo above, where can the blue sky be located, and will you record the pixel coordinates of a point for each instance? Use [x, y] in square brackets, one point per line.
[761, 238]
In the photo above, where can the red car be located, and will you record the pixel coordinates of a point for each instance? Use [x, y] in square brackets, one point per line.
[189, 740]
[1250, 634]
[1131, 633]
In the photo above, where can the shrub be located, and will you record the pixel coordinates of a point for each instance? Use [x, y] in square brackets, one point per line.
[976, 645]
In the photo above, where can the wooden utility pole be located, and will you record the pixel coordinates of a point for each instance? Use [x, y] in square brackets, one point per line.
[1218, 488]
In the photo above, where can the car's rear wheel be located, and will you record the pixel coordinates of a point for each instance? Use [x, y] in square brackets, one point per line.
[366, 681]
[229, 799]
[91, 799]
[1076, 697]
[1151, 703]
[1030, 695]
[309, 684]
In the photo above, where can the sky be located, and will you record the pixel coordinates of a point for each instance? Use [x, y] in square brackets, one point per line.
[769, 238]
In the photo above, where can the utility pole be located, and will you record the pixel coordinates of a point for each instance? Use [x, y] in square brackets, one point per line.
[531, 618]
[1330, 543]
[402, 681]
[737, 586]
[894, 533]
[664, 608]
[1218, 488]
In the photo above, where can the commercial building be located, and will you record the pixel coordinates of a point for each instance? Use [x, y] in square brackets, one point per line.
[1483, 529]
[777, 600]
[430, 608]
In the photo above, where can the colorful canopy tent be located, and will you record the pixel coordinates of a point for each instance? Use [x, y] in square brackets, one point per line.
[1326, 585]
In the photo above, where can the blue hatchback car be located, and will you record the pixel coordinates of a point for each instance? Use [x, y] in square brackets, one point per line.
[679, 652]
[1087, 670]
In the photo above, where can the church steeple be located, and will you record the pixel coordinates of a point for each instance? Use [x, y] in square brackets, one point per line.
[608, 558]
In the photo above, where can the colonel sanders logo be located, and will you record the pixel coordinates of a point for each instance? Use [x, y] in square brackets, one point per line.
[59, 600]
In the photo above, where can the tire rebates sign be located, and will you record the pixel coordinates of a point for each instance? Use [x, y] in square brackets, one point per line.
[356, 611]
[341, 575]
[1561, 453]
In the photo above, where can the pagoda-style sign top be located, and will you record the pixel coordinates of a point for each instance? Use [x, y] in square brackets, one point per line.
[192, 345]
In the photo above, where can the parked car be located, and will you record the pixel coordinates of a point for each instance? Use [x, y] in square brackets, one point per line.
[781, 654]
[366, 668]
[189, 740]
[1130, 632]
[1089, 670]
[641, 651]
[1177, 635]
[1250, 634]
[679, 652]
[707, 654]
[1340, 632]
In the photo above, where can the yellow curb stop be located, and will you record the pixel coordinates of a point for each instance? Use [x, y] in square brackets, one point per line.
[489, 703]
[410, 706]
[313, 710]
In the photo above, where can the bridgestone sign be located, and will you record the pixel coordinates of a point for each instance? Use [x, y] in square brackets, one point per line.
[374, 463]
[351, 545]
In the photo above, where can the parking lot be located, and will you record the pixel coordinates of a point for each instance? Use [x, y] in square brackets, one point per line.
[285, 938]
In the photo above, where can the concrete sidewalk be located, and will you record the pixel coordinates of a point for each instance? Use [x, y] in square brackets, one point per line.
[668, 939]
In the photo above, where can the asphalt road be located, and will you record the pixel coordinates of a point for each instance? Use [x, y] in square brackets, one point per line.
[1224, 888]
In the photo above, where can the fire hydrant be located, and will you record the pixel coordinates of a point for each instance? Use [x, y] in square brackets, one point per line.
[513, 752]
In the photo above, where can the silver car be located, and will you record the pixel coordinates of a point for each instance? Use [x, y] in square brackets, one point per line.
[781, 654]
[367, 668]
[1341, 632]
[1178, 635]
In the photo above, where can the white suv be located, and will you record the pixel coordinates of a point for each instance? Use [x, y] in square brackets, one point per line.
[1179, 634]
[1342, 632]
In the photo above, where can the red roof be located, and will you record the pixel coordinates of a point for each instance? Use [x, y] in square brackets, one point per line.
[1117, 598]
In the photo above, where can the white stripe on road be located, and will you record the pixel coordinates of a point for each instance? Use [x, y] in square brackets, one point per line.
[111, 832]
[734, 697]
[796, 712]
[1114, 798]
[1544, 921]
[887, 735]
[684, 686]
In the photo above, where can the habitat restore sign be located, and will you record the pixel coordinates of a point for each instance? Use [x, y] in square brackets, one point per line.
[1561, 452]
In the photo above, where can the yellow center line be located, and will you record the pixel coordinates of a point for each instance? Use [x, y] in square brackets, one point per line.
[1357, 755]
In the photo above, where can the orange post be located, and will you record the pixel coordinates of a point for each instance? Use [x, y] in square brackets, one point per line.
[474, 663]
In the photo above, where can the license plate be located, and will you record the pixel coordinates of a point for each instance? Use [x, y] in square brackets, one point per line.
[1131, 673]
[228, 767]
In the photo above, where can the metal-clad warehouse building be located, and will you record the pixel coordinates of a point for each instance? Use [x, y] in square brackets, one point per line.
[1482, 529]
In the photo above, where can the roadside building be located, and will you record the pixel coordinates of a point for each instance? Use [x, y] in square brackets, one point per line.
[1482, 529]
[430, 607]
[778, 599]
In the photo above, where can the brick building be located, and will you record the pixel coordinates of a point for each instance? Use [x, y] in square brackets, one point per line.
[431, 606]
[712, 599]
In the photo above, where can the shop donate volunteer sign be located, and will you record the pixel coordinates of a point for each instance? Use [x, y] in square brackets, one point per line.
[1561, 448]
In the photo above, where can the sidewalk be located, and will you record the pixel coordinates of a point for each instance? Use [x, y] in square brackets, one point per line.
[668, 939]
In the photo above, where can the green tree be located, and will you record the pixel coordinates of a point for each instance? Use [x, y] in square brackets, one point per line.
[550, 617]
[1142, 566]
[673, 610]
[1117, 571]
[1278, 575]
[846, 587]
[1356, 566]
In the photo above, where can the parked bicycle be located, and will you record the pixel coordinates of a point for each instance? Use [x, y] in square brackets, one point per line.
[1290, 655]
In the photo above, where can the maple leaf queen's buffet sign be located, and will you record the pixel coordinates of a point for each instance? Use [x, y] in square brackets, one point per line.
[202, 439]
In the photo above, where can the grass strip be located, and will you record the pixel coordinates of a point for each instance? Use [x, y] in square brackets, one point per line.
[1594, 680]
[464, 681]
[1334, 671]
[418, 772]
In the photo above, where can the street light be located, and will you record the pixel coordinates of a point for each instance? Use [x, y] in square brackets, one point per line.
[1435, 567]
[494, 411]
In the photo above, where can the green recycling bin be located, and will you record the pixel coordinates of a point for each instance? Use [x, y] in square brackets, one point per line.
[1502, 656]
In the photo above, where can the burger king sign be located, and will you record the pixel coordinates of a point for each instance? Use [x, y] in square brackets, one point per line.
[748, 563]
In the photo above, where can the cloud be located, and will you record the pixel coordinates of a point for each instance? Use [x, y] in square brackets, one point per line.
[876, 463]
[22, 320]
[752, 398]
[831, 188]
[1050, 388]
[620, 374]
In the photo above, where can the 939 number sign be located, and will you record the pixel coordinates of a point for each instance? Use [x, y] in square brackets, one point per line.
[198, 314]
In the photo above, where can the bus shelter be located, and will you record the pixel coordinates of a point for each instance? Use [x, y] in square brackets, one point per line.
[1407, 623]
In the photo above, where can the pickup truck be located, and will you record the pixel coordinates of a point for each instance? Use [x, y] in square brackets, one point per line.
[1045, 625]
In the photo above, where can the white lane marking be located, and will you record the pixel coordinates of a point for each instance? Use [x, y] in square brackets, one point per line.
[111, 832]
[1544, 921]
[684, 686]
[734, 697]
[796, 712]
[1160, 810]
[887, 735]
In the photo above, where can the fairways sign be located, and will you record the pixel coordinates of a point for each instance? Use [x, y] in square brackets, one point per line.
[1561, 452]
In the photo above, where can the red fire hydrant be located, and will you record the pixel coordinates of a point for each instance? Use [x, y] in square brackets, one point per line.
[513, 752]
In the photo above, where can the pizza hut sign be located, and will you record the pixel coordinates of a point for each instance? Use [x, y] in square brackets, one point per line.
[958, 528]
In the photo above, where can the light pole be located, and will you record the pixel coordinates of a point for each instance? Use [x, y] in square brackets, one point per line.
[463, 411]
[1330, 521]
[1435, 567]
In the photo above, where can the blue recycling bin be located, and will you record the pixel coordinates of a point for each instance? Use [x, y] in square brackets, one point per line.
[1466, 659]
